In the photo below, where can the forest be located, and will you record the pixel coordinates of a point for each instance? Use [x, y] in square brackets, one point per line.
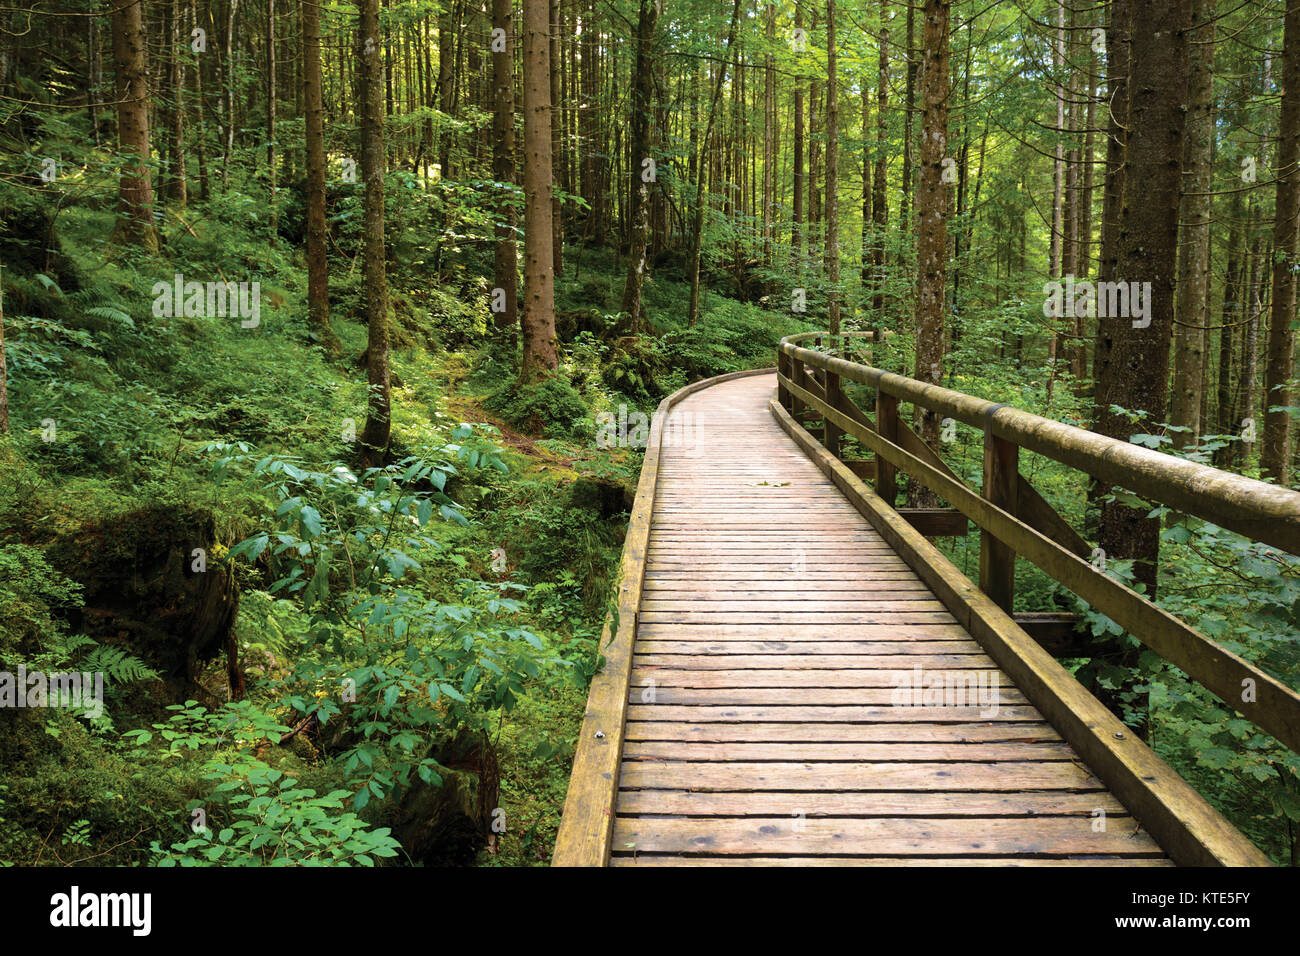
[332, 333]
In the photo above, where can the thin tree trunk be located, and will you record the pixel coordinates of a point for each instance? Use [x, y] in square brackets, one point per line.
[135, 224]
[1275, 449]
[270, 115]
[370, 98]
[4, 373]
[538, 318]
[642, 92]
[557, 145]
[318, 296]
[1193, 305]
[879, 204]
[697, 229]
[797, 210]
[506, 266]
[179, 192]
[832, 245]
[932, 240]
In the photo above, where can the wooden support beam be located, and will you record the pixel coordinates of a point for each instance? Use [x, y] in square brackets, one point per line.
[997, 559]
[937, 522]
[1055, 632]
[887, 426]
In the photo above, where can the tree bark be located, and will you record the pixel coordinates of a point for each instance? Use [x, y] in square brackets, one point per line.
[1193, 305]
[797, 208]
[832, 246]
[134, 224]
[1275, 449]
[639, 199]
[538, 318]
[1136, 370]
[879, 204]
[177, 183]
[697, 229]
[506, 262]
[370, 98]
[932, 236]
[318, 295]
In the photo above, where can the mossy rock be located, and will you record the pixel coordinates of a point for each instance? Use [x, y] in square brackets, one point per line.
[142, 592]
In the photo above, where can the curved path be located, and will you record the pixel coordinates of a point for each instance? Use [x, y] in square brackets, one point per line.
[798, 695]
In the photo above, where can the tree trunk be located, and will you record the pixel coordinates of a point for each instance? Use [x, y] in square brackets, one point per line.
[4, 374]
[370, 98]
[697, 229]
[538, 318]
[879, 205]
[135, 224]
[557, 146]
[1136, 371]
[797, 209]
[201, 139]
[1193, 306]
[932, 237]
[506, 265]
[229, 80]
[1275, 449]
[318, 295]
[177, 183]
[639, 200]
[270, 115]
[832, 257]
[1226, 416]
[909, 99]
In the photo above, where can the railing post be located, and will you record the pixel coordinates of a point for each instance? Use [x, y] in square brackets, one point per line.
[783, 369]
[887, 427]
[797, 377]
[832, 434]
[1001, 484]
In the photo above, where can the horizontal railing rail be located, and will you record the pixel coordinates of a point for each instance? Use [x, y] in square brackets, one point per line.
[1015, 519]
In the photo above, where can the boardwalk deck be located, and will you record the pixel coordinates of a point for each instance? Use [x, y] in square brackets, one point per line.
[764, 721]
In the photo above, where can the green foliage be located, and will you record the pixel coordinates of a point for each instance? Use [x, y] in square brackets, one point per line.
[551, 406]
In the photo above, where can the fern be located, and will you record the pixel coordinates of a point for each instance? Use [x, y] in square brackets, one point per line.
[117, 666]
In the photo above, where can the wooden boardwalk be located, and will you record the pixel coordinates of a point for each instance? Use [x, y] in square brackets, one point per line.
[798, 695]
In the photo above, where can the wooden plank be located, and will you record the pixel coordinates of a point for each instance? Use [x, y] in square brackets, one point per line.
[738, 775]
[901, 648]
[988, 696]
[741, 713]
[653, 859]
[1050, 836]
[793, 632]
[937, 522]
[811, 730]
[752, 606]
[979, 661]
[1048, 803]
[840, 752]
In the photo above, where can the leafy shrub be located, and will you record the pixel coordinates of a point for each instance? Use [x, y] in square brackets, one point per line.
[551, 406]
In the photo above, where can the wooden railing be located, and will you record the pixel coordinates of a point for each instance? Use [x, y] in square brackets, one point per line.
[1014, 519]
